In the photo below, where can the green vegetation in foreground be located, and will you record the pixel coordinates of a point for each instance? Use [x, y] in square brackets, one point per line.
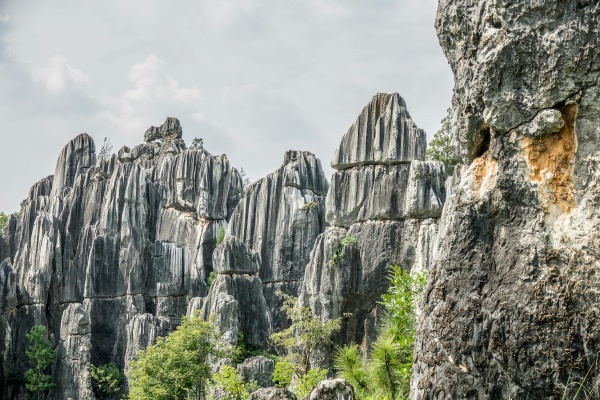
[228, 379]
[386, 373]
[107, 381]
[40, 355]
[176, 367]
[440, 148]
[300, 343]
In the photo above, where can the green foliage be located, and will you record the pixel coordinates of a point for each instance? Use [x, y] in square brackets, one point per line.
[283, 374]
[230, 381]
[105, 150]
[308, 381]
[107, 380]
[211, 278]
[221, 235]
[306, 335]
[244, 350]
[3, 220]
[311, 205]
[349, 362]
[440, 148]
[345, 241]
[386, 374]
[175, 367]
[40, 355]
[198, 143]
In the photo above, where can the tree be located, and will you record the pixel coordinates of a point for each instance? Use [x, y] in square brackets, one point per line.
[245, 180]
[441, 149]
[175, 367]
[386, 374]
[198, 143]
[105, 150]
[107, 381]
[40, 355]
[301, 342]
[3, 220]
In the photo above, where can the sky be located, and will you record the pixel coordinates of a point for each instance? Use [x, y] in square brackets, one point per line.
[253, 78]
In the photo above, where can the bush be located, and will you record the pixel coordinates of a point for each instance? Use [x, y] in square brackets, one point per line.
[40, 355]
[230, 381]
[311, 205]
[176, 367]
[221, 235]
[283, 374]
[3, 220]
[211, 278]
[106, 381]
[345, 241]
[308, 381]
[387, 373]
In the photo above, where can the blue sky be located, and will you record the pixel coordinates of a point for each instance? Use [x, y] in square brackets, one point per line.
[254, 78]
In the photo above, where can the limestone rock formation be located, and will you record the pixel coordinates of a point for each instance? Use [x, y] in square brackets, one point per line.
[280, 217]
[108, 252]
[511, 307]
[383, 205]
[257, 369]
[272, 394]
[333, 389]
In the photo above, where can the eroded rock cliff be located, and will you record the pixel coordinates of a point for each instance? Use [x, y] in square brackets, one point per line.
[108, 252]
[511, 308]
[383, 204]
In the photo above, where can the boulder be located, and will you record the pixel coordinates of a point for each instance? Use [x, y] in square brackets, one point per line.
[272, 394]
[332, 389]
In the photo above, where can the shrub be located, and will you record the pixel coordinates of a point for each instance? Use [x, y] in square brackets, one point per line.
[105, 151]
[345, 241]
[176, 367]
[283, 374]
[198, 143]
[211, 278]
[221, 235]
[3, 220]
[311, 205]
[40, 355]
[230, 381]
[308, 381]
[107, 380]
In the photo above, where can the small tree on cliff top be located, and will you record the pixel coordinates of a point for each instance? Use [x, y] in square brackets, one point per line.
[440, 148]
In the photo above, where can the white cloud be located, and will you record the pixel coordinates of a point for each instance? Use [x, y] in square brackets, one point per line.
[58, 75]
[155, 95]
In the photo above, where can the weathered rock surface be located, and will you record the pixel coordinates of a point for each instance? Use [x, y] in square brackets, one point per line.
[385, 208]
[272, 394]
[511, 307]
[235, 257]
[383, 133]
[332, 389]
[257, 369]
[108, 253]
[280, 217]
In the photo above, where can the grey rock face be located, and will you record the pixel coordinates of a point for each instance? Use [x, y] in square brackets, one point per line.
[333, 389]
[280, 217]
[510, 310]
[235, 257]
[238, 304]
[385, 202]
[383, 134]
[126, 241]
[257, 369]
[272, 394]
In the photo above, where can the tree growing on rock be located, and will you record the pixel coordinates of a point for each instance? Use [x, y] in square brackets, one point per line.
[441, 149]
[40, 355]
[176, 366]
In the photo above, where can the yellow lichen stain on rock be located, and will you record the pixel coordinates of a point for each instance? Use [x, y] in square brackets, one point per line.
[550, 160]
[483, 170]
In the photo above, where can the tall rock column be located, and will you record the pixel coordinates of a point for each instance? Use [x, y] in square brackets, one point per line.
[382, 199]
[280, 216]
[512, 303]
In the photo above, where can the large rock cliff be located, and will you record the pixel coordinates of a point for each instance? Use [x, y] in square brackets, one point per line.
[107, 252]
[511, 307]
[383, 204]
